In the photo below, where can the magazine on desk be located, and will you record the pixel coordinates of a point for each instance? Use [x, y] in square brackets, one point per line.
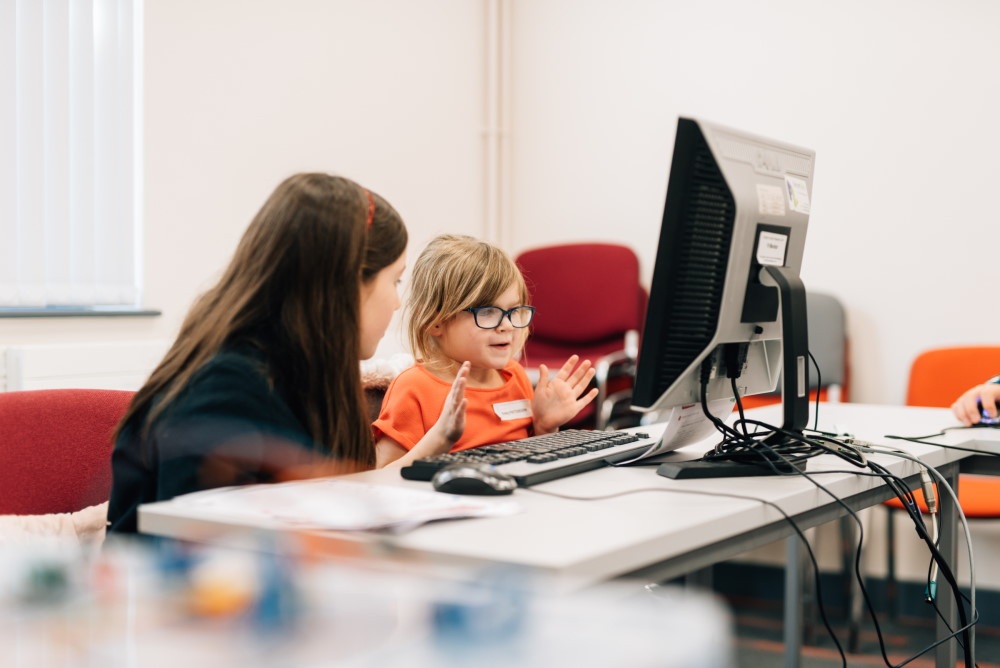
[344, 505]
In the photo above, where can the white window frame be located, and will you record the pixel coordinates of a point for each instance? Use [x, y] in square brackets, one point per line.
[70, 154]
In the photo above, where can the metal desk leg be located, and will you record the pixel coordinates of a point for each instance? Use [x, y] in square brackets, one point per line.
[793, 602]
[947, 653]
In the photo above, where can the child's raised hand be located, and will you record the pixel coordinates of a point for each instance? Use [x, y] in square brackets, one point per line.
[558, 400]
[451, 424]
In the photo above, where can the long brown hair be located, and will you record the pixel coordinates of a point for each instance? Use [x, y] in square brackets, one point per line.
[292, 290]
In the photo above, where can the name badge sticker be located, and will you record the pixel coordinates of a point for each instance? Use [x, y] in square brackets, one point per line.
[513, 410]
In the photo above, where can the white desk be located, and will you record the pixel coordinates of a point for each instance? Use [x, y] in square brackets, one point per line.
[635, 523]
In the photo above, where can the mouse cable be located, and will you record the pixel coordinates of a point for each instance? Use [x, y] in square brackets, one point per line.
[922, 440]
[795, 527]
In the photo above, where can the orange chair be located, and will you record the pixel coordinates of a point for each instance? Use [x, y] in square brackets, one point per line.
[591, 303]
[55, 448]
[937, 378]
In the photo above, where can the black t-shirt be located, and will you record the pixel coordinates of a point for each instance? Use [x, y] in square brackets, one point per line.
[229, 426]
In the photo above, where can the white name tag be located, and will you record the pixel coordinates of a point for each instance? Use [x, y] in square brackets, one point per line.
[513, 410]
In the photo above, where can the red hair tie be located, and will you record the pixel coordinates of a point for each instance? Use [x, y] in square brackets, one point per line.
[371, 207]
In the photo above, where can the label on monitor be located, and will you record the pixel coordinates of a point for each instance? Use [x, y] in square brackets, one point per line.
[771, 248]
[798, 194]
[770, 200]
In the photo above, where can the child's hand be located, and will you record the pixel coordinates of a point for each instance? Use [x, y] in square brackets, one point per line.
[451, 424]
[556, 402]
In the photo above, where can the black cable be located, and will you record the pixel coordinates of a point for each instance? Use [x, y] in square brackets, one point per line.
[913, 510]
[737, 447]
[795, 527]
[906, 495]
[899, 487]
[922, 440]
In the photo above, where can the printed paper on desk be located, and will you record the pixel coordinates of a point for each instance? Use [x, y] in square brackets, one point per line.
[345, 505]
[686, 425]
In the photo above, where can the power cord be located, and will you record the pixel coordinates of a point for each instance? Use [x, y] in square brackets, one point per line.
[939, 562]
[781, 450]
[795, 527]
[735, 442]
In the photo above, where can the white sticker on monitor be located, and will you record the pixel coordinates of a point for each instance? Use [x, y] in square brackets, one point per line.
[771, 249]
[798, 194]
[770, 200]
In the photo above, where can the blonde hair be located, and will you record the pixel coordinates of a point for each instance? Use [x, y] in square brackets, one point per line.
[455, 272]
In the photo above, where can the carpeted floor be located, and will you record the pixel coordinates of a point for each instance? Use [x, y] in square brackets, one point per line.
[759, 641]
[759, 633]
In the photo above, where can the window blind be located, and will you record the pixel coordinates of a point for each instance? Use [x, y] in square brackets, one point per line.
[70, 141]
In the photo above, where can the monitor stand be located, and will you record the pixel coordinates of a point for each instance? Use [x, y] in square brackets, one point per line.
[794, 396]
[722, 469]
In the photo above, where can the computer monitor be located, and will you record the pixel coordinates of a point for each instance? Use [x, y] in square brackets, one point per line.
[726, 300]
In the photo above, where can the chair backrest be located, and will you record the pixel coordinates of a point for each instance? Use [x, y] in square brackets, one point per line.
[828, 342]
[55, 448]
[938, 376]
[588, 295]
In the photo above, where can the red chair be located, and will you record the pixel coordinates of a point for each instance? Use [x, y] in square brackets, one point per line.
[55, 448]
[591, 303]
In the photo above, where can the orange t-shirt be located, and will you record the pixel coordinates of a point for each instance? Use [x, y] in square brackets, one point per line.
[415, 397]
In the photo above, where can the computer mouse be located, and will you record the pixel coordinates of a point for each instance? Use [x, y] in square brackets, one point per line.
[478, 479]
[986, 420]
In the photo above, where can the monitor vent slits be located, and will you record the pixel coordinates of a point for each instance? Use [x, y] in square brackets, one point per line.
[701, 256]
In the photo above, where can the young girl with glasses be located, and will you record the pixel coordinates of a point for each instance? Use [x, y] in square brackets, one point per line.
[468, 317]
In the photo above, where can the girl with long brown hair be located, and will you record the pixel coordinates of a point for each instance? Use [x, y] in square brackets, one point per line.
[263, 381]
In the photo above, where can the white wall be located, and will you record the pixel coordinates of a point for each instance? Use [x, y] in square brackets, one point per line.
[241, 93]
[899, 98]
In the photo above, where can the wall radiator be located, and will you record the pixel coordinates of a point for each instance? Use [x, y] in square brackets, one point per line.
[116, 366]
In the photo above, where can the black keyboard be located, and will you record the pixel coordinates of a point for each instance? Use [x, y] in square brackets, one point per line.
[537, 459]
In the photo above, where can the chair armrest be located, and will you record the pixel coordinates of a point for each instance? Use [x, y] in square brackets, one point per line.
[619, 362]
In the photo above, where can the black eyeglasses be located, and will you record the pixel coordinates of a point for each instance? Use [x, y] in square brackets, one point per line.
[490, 317]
